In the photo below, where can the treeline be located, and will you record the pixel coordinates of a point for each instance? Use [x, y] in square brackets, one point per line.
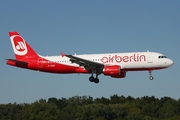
[86, 108]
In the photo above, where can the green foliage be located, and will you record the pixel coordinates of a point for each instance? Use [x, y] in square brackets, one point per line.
[85, 108]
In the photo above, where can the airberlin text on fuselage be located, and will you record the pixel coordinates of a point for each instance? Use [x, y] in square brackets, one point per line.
[126, 58]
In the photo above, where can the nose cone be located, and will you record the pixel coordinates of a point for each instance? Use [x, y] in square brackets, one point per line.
[170, 62]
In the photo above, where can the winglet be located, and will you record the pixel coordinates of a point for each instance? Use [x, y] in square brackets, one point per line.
[63, 54]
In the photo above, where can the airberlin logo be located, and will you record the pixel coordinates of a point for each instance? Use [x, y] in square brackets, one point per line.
[19, 45]
[118, 59]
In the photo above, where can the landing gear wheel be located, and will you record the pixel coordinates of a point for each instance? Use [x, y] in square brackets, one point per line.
[91, 79]
[150, 75]
[96, 80]
[151, 78]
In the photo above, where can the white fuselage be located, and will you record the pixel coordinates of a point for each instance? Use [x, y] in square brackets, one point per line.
[128, 61]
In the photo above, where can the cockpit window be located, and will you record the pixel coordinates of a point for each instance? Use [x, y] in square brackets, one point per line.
[160, 57]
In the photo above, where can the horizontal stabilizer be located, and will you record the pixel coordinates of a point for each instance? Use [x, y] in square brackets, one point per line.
[17, 63]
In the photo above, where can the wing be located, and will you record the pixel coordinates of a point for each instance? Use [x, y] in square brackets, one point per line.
[87, 64]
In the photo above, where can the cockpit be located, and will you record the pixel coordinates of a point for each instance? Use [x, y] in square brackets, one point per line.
[160, 57]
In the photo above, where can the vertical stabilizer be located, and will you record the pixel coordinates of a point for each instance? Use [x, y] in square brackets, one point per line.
[21, 48]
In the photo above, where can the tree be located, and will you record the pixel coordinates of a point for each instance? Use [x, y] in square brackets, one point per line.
[41, 110]
[85, 108]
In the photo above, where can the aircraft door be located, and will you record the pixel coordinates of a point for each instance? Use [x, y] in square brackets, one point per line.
[149, 58]
[40, 62]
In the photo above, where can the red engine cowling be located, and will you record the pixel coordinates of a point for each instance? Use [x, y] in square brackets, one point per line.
[122, 75]
[113, 70]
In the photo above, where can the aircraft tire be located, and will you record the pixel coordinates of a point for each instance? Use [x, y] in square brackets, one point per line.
[151, 77]
[96, 80]
[91, 79]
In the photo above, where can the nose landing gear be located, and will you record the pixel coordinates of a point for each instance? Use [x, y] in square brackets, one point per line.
[150, 75]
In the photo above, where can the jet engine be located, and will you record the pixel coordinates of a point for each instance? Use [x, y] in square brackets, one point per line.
[114, 71]
[122, 75]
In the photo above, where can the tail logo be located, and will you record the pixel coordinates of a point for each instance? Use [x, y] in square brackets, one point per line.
[19, 45]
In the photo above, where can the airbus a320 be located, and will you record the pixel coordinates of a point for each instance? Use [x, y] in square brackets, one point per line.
[115, 65]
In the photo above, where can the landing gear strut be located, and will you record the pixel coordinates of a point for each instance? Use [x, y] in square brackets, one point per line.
[92, 79]
[150, 75]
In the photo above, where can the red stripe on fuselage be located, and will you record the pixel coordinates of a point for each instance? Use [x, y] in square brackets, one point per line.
[53, 67]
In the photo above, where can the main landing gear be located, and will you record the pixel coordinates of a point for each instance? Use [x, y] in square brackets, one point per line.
[150, 75]
[92, 79]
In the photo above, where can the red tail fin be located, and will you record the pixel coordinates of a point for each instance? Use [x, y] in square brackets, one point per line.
[21, 48]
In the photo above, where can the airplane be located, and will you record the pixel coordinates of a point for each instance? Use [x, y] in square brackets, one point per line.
[114, 65]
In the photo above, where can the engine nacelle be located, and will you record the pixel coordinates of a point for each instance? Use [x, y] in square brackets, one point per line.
[122, 75]
[113, 70]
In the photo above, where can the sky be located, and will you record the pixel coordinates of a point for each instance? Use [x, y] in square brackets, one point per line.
[88, 27]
